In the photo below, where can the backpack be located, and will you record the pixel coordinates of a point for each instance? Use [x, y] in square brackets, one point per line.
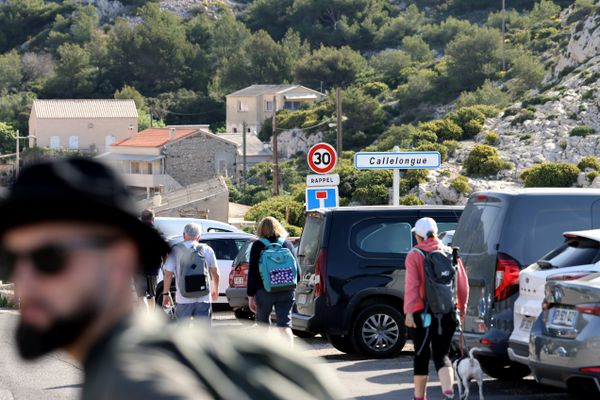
[192, 272]
[440, 282]
[277, 266]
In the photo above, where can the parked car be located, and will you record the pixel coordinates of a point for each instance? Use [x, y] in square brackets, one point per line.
[563, 347]
[447, 237]
[578, 257]
[173, 226]
[499, 233]
[352, 274]
[226, 246]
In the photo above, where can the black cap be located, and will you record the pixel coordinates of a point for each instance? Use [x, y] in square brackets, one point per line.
[80, 190]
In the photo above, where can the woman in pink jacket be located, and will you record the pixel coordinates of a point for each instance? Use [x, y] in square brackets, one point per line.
[429, 343]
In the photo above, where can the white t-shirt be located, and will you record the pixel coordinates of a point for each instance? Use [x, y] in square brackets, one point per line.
[173, 261]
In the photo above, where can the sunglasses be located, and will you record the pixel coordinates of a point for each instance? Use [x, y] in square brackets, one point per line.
[51, 258]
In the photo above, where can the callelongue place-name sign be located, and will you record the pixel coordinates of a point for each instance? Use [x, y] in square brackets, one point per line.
[397, 160]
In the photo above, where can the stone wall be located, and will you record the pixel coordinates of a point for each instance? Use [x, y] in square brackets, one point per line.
[199, 158]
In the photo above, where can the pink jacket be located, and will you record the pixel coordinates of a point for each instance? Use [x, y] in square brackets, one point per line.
[414, 285]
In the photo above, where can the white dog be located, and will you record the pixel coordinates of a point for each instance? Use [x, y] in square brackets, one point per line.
[467, 369]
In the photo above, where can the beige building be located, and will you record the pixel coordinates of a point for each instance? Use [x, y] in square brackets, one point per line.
[172, 157]
[254, 104]
[85, 125]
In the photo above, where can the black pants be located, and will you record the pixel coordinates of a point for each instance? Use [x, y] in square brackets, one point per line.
[436, 346]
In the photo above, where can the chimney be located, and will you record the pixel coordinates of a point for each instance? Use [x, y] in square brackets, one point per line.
[172, 133]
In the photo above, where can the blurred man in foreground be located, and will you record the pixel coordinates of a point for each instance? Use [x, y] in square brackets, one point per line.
[71, 243]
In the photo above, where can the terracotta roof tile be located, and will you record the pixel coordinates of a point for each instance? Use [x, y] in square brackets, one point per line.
[154, 137]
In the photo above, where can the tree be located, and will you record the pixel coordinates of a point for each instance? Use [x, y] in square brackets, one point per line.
[438, 36]
[527, 72]
[11, 73]
[75, 76]
[7, 138]
[417, 49]
[334, 67]
[487, 94]
[270, 15]
[473, 58]
[389, 64]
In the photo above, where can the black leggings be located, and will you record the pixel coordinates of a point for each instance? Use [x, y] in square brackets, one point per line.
[436, 346]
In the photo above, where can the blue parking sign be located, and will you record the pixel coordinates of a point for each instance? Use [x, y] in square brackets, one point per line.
[321, 197]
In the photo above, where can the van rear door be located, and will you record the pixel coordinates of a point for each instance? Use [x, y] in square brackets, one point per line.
[477, 235]
[309, 251]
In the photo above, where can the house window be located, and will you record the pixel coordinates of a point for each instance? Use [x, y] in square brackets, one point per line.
[54, 142]
[73, 142]
[234, 130]
[268, 105]
[149, 168]
[242, 106]
[292, 105]
[135, 167]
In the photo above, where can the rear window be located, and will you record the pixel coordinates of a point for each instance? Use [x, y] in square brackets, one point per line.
[243, 255]
[382, 236]
[310, 242]
[479, 226]
[225, 249]
[578, 251]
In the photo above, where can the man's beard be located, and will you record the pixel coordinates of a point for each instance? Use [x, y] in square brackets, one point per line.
[33, 342]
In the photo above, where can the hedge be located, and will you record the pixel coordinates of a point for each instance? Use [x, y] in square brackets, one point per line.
[484, 160]
[550, 174]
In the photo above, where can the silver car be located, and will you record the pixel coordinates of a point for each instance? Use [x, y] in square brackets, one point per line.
[564, 346]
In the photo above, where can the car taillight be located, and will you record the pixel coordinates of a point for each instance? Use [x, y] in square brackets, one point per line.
[320, 273]
[594, 370]
[507, 276]
[592, 309]
[568, 277]
[486, 342]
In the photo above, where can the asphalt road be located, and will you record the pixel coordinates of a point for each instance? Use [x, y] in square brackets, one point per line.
[58, 377]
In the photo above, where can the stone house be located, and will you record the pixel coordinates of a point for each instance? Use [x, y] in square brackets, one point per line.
[166, 159]
[84, 125]
[252, 105]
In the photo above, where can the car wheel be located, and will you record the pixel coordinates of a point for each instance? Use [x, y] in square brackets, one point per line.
[378, 331]
[342, 343]
[243, 314]
[303, 334]
[504, 370]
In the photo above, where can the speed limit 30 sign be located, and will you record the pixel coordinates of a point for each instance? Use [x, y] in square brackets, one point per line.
[322, 158]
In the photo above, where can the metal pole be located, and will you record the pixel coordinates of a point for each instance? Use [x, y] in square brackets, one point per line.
[338, 112]
[396, 183]
[503, 34]
[244, 156]
[274, 145]
[17, 155]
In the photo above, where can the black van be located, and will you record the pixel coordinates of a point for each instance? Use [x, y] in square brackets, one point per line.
[499, 234]
[352, 274]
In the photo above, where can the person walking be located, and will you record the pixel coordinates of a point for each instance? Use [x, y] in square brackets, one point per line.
[145, 285]
[71, 242]
[260, 300]
[432, 333]
[191, 306]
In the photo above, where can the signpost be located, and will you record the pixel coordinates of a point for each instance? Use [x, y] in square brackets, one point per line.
[397, 160]
[322, 191]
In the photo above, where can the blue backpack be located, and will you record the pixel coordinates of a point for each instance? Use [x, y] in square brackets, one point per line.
[277, 266]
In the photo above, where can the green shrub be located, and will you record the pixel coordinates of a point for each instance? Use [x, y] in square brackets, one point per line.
[525, 115]
[279, 207]
[574, 116]
[581, 130]
[535, 100]
[470, 119]
[592, 175]
[582, 108]
[434, 147]
[484, 160]
[492, 138]
[416, 176]
[373, 195]
[452, 146]
[510, 112]
[588, 95]
[525, 136]
[592, 78]
[549, 174]
[590, 162]
[461, 185]
[411, 200]
[444, 129]
[563, 144]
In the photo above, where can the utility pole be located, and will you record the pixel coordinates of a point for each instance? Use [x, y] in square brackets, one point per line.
[244, 156]
[18, 149]
[503, 34]
[274, 146]
[338, 112]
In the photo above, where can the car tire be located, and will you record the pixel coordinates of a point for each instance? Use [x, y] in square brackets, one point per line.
[503, 370]
[378, 331]
[243, 314]
[342, 343]
[303, 334]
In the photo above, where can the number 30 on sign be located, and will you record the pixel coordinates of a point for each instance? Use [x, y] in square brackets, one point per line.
[322, 158]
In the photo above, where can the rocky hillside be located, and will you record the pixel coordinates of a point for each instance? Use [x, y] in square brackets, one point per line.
[558, 124]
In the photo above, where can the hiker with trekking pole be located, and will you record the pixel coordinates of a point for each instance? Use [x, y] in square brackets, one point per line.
[436, 294]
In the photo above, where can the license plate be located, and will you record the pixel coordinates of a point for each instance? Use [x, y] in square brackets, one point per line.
[526, 324]
[238, 280]
[564, 317]
[301, 299]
